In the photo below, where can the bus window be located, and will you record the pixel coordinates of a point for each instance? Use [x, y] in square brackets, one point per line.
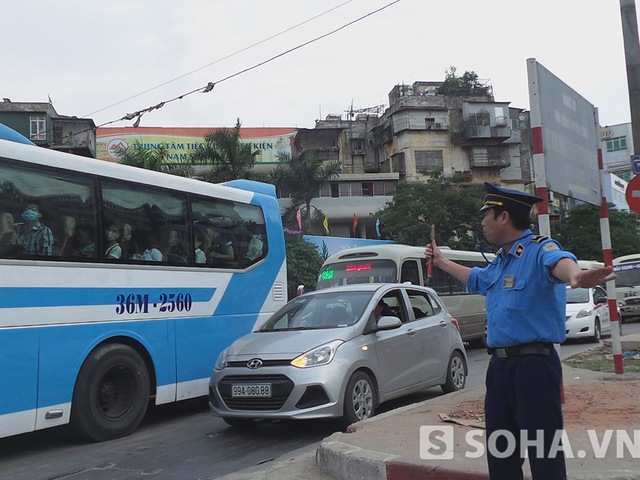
[56, 196]
[156, 219]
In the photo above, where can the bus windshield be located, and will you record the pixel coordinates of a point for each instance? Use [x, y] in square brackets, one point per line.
[357, 271]
[628, 274]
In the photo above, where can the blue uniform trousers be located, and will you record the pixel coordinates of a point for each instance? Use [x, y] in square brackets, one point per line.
[524, 395]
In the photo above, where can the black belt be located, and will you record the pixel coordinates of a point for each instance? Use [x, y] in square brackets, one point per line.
[534, 348]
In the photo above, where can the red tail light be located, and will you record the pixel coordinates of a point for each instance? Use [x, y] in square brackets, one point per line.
[455, 322]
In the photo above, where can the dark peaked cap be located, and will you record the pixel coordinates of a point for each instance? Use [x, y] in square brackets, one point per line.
[511, 200]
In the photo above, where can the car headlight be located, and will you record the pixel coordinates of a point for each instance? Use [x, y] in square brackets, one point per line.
[583, 313]
[221, 362]
[321, 355]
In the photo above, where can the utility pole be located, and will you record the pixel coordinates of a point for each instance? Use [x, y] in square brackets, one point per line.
[632, 59]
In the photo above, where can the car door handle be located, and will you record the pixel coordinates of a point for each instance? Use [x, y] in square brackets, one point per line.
[442, 323]
[411, 332]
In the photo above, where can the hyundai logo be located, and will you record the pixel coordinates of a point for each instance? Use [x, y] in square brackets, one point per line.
[254, 363]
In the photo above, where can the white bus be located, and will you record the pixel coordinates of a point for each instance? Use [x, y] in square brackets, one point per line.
[627, 268]
[120, 286]
[404, 263]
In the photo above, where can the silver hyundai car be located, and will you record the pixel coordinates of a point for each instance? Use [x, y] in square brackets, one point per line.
[339, 353]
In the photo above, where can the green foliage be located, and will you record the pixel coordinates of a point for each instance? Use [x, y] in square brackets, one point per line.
[303, 264]
[302, 177]
[137, 155]
[231, 159]
[465, 85]
[452, 208]
[580, 233]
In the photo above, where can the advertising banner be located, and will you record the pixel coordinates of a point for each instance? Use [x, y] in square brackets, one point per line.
[181, 142]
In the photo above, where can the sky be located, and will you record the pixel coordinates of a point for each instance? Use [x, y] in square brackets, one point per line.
[104, 59]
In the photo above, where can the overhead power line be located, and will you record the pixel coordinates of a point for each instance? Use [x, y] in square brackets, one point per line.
[220, 59]
[137, 115]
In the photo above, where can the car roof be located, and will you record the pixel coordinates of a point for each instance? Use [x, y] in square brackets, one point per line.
[371, 287]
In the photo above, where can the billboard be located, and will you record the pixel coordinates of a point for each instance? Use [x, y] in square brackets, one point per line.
[181, 142]
[569, 135]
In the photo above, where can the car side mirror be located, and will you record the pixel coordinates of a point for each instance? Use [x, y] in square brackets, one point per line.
[388, 323]
[600, 300]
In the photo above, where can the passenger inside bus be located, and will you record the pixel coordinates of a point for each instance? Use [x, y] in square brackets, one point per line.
[84, 245]
[34, 237]
[113, 250]
[66, 236]
[174, 251]
[9, 246]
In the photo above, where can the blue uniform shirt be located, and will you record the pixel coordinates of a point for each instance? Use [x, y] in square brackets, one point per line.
[525, 302]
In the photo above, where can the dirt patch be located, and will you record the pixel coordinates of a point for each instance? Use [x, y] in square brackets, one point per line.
[609, 402]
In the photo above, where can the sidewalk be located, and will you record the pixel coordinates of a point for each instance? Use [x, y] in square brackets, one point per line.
[387, 447]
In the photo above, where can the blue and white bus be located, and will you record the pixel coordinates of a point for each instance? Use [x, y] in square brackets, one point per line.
[120, 286]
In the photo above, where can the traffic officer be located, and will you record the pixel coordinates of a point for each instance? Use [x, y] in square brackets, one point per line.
[526, 298]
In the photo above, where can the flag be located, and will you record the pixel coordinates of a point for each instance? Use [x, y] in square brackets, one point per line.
[325, 223]
[355, 224]
[299, 218]
[378, 227]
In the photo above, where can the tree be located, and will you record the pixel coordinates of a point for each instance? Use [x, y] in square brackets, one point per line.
[137, 155]
[303, 263]
[302, 177]
[441, 201]
[580, 233]
[456, 86]
[231, 159]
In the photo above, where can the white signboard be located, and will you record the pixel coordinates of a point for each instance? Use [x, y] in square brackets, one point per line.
[569, 136]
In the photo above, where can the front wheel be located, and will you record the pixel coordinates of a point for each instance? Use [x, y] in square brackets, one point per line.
[456, 373]
[111, 393]
[359, 399]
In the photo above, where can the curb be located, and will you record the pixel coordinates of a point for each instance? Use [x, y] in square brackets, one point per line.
[346, 462]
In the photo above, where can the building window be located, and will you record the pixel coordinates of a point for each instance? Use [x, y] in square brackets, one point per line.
[616, 144]
[38, 130]
[481, 119]
[334, 190]
[367, 189]
[429, 123]
[429, 161]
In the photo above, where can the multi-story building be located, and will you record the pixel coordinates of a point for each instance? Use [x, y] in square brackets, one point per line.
[40, 123]
[420, 133]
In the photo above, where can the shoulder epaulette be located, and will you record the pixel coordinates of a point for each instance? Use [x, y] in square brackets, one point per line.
[539, 238]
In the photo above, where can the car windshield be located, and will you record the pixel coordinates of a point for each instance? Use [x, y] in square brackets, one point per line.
[319, 310]
[577, 295]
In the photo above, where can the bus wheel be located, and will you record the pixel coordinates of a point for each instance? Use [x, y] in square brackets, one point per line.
[111, 393]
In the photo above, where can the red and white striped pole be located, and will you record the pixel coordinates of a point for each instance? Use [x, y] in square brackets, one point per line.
[607, 255]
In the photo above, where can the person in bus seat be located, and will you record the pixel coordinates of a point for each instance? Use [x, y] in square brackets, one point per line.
[220, 250]
[174, 251]
[113, 250]
[8, 236]
[200, 256]
[34, 237]
[64, 242]
[84, 245]
[152, 253]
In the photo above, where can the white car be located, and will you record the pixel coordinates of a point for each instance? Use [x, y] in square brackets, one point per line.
[587, 313]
